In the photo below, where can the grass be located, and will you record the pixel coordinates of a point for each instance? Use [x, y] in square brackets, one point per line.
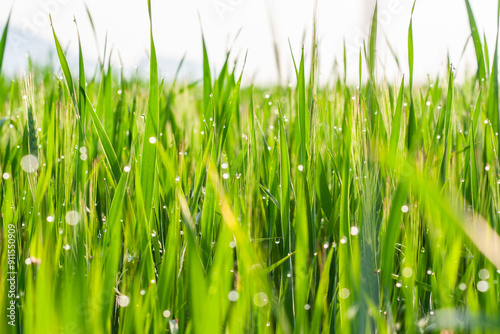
[145, 206]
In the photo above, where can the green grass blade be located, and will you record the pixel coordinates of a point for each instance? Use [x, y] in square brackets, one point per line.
[105, 142]
[396, 126]
[65, 68]
[151, 132]
[3, 41]
[481, 70]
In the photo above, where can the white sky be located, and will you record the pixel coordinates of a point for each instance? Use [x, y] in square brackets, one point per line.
[439, 26]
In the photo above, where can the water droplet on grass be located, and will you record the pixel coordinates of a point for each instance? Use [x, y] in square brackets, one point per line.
[344, 293]
[260, 299]
[407, 272]
[483, 286]
[29, 163]
[123, 301]
[484, 274]
[72, 217]
[233, 296]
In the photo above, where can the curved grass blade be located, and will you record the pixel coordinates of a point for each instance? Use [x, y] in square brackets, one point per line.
[65, 68]
[396, 126]
[105, 142]
[481, 70]
[3, 41]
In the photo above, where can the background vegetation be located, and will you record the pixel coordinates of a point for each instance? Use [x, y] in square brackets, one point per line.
[166, 206]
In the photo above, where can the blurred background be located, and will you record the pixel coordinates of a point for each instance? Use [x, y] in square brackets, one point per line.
[440, 29]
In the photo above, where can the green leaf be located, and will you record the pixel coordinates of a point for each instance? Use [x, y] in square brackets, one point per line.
[105, 142]
[396, 126]
[481, 70]
[65, 68]
[3, 41]
[392, 230]
[151, 132]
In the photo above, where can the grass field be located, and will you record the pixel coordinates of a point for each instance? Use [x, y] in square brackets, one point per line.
[151, 206]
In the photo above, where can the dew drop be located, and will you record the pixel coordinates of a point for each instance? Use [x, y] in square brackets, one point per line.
[72, 217]
[483, 286]
[233, 296]
[29, 163]
[344, 293]
[260, 299]
[407, 272]
[123, 301]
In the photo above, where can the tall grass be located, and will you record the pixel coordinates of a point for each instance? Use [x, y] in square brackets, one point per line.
[147, 206]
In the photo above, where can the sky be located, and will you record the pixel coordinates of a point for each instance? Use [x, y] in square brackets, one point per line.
[440, 28]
